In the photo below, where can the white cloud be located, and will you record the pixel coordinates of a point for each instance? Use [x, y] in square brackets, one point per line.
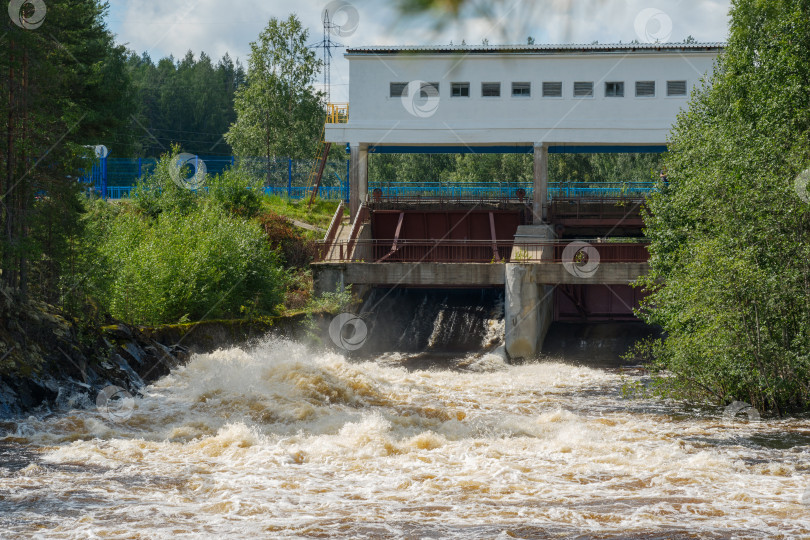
[216, 27]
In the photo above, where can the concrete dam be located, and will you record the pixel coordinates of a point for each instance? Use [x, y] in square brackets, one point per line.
[572, 269]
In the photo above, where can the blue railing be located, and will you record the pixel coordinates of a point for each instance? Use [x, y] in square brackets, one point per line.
[452, 190]
[115, 178]
[508, 190]
[299, 192]
[600, 189]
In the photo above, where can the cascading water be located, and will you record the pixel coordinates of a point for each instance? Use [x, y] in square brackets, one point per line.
[280, 440]
[433, 321]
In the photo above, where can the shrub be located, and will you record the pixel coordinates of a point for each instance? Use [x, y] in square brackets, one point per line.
[297, 250]
[201, 265]
[158, 192]
[237, 192]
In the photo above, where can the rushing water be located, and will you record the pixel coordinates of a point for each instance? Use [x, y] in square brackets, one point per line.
[280, 441]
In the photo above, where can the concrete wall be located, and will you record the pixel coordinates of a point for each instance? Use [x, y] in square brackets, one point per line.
[605, 274]
[529, 288]
[377, 118]
[327, 276]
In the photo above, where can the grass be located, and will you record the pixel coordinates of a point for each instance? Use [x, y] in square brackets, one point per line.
[319, 215]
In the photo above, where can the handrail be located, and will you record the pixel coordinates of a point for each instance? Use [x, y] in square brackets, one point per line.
[337, 113]
[359, 219]
[520, 191]
[331, 232]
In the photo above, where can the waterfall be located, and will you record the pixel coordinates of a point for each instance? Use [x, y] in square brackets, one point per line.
[433, 320]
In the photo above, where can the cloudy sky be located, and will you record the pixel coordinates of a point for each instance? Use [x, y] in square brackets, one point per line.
[215, 26]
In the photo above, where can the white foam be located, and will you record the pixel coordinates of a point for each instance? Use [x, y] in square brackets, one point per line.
[280, 441]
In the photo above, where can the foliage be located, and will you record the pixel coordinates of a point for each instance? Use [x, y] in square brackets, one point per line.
[279, 113]
[730, 266]
[159, 191]
[64, 85]
[332, 302]
[187, 102]
[172, 254]
[237, 192]
[320, 214]
[196, 266]
[513, 167]
[296, 250]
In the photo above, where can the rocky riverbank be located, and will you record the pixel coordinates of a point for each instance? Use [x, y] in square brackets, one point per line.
[49, 363]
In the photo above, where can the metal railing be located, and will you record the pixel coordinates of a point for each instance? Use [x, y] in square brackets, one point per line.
[477, 251]
[509, 191]
[115, 178]
[600, 189]
[451, 191]
[337, 113]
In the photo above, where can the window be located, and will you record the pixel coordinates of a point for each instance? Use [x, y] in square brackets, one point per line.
[521, 89]
[645, 88]
[429, 89]
[614, 89]
[460, 89]
[399, 89]
[552, 89]
[491, 89]
[583, 89]
[676, 88]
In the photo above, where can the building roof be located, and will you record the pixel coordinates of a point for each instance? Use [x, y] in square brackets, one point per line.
[538, 48]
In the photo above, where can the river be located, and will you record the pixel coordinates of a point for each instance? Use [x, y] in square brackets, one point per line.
[279, 440]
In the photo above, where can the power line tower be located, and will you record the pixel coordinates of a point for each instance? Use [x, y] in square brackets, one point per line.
[327, 45]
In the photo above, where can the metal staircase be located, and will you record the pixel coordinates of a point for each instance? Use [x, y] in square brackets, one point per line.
[336, 113]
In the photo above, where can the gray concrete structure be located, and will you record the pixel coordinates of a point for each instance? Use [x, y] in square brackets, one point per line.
[528, 304]
[332, 276]
[358, 177]
[540, 203]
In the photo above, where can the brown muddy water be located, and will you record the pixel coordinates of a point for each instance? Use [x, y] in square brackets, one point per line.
[279, 441]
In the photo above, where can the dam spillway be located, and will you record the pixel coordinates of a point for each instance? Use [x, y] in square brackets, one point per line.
[544, 274]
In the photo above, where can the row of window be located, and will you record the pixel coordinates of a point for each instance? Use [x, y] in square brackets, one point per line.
[581, 89]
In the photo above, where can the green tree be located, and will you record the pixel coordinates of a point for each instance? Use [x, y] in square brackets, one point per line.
[189, 103]
[279, 112]
[64, 85]
[730, 265]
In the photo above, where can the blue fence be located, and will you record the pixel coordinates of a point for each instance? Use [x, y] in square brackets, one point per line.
[114, 178]
[510, 190]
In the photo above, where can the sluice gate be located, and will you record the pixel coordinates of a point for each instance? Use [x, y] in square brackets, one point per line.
[542, 277]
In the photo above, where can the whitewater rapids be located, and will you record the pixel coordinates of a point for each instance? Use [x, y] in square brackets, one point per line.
[280, 441]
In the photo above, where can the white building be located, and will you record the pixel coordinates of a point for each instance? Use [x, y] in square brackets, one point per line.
[529, 98]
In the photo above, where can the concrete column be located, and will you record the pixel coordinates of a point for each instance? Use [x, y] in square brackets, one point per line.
[358, 178]
[529, 306]
[354, 176]
[540, 206]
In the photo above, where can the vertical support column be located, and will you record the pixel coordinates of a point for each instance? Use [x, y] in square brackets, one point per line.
[540, 200]
[289, 178]
[104, 178]
[358, 179]
[529, 306]
[346, 183]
